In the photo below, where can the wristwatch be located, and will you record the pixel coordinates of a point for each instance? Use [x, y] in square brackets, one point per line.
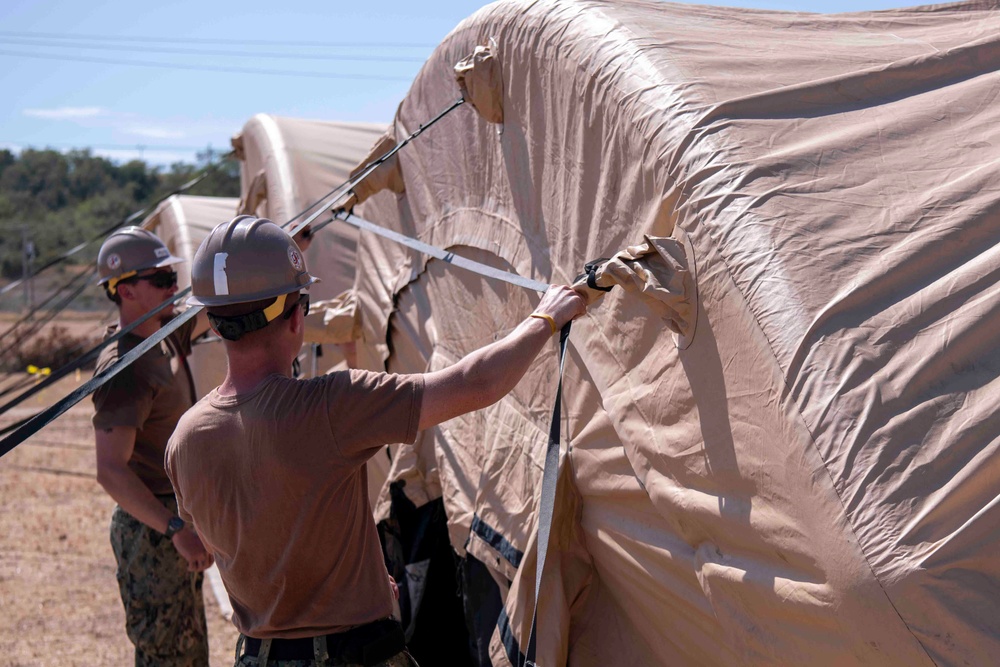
[175, 525]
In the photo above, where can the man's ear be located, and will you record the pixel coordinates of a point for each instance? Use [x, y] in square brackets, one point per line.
[125, 292]
[297, 321]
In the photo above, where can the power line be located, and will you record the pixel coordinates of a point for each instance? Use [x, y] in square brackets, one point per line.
[209, 68]
[213, 40]
[214, 52]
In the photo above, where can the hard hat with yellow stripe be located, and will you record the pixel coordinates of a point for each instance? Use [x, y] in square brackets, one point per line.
[246, 260]
[127, 252]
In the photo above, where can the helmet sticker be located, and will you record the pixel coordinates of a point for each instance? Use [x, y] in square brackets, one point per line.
[162, 252]
[114, 261]
[295, 258]
[220, 275]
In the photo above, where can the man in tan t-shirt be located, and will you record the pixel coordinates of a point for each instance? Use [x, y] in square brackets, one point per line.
[160, 559]
[271, 469]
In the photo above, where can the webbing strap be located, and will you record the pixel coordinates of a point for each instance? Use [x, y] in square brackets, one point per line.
[34, 326]
[550, 475]
[46, 416]
[444, 255]
[345, 188]
[546, 503]
[87, 356]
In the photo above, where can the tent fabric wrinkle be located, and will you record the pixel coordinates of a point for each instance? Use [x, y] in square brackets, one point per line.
[657, 273]
[805, 473]
[479, 79]
[385, 176]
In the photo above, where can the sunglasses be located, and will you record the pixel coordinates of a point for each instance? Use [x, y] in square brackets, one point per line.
[159, 280]
[303, 301]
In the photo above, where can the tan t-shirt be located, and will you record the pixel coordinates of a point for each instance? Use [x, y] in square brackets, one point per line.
[149, 395]
[275, 483]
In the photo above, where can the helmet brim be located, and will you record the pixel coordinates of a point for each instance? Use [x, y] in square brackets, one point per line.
[209, 301]
[169, 260]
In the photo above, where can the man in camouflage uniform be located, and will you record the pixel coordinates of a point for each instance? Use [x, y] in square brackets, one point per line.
[271, 469]
[160, 558]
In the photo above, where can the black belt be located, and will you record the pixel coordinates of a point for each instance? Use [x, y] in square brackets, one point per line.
[366, 645]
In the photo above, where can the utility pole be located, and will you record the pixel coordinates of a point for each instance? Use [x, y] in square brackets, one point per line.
[27, 267]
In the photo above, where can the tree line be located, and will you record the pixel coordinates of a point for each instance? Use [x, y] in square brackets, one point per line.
[66, 198]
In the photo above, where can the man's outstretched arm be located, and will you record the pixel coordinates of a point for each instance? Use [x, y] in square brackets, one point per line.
[483, 377]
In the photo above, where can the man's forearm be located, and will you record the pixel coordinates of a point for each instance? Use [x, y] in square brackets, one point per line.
[484, 376]
[499, 366]
[125, 487]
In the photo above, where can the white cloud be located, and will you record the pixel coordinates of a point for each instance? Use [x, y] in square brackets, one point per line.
[67, 113]
[155, 132]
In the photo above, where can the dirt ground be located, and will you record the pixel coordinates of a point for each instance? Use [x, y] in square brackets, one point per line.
[57, 574]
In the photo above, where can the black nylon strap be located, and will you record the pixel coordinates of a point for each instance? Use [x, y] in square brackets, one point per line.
[590, 270]
[35, 325]
[85, 358]
[345, 188]
[546, 503]
[46, 416]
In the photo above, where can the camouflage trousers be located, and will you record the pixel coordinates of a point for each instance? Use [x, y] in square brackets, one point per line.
[164, 607]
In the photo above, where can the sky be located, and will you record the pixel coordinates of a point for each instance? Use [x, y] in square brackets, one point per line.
[164, 81]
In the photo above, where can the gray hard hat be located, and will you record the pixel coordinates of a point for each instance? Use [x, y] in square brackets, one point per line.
[127, 252]
[246, 259]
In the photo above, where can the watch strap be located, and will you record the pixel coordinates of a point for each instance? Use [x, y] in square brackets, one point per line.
[174, 526]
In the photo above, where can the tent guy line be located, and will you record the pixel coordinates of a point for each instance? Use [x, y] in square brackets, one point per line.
[338, 192]
[26, 428]
[84, 358]
[77, 285]
[45, 417]
[442, 254]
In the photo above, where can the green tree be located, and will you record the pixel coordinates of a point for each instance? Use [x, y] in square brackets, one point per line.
[66, 198]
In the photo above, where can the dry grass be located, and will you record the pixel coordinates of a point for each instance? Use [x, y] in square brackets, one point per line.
[57, 575]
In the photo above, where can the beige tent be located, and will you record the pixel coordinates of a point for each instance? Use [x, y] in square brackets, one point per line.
[806, 472]
[287, 164]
